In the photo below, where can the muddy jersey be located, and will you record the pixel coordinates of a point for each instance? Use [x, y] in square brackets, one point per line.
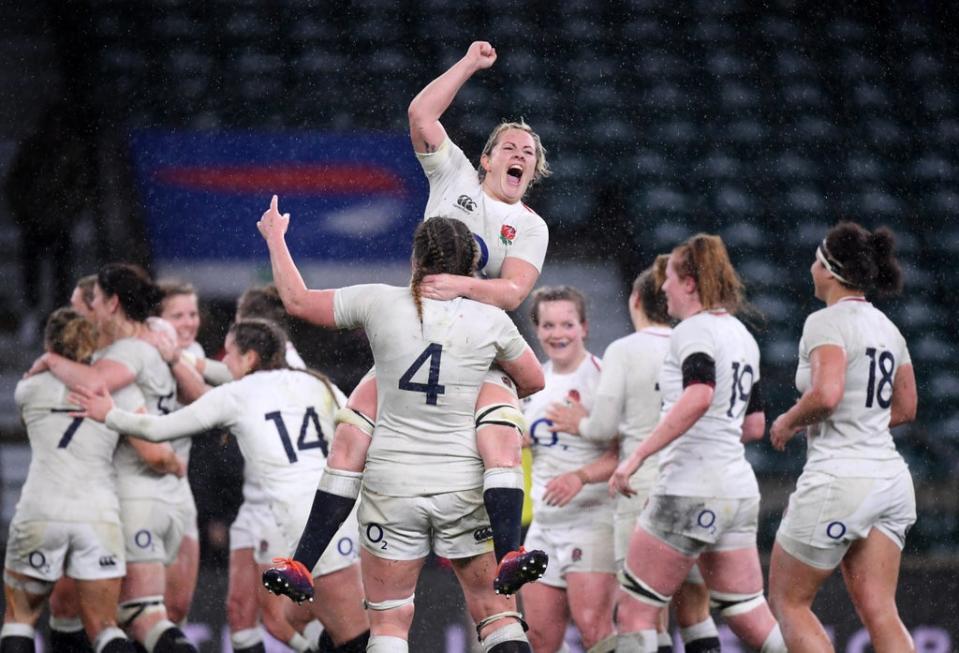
[282, 421]
[135, 479]
[71, 475]
[502, 230]
[709, 459]
[557, 453]
[428, 376]
[628, 398]
[855, 439]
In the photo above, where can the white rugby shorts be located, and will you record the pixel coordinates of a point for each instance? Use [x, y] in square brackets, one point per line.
[453, 525]
[49, 549]
[343, 550]
[152, 530]
[256, 528]
[692, 525]
[186, 507]
[573, 550]
[826, 513]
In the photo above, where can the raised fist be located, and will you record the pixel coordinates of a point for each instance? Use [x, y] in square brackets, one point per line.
[481, 54]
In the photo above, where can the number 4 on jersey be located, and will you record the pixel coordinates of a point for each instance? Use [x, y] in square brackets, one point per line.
[432, 388]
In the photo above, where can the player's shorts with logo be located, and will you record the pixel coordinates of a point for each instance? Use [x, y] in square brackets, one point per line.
[452, 524]
[343, 551]
[256, 528]
[625, 519]
[49, 549]
[692, 525]
[581, 549]
[152, 530]
[827, 513]
[186, 507]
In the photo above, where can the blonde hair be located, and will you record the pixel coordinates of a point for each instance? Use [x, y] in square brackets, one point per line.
[704, 258]
[542, 169]
[71, 335]
[557, 294]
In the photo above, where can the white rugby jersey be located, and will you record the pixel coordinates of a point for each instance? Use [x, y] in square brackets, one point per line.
[709, 459]
[628, 399]
[502, 230]
[71, 475]
[428, 377]
[556, 453]
[282, 421]
[855, 440]
[135, 479]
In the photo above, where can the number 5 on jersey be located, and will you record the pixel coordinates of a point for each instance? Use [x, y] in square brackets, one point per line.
[432, 388]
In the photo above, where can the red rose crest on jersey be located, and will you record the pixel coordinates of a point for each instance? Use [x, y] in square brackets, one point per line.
[507, 234]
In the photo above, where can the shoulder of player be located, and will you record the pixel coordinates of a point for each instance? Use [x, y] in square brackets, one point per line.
[28, 388]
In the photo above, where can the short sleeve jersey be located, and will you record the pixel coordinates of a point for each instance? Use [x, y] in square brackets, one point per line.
[628, 398]
[558, 453]
[501, 230]
[428, 376]
[855, 440]
[282, 421]
[709, 459]
[71, 475]
[135, 479]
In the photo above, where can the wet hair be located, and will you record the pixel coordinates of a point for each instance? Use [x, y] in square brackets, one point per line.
[86, 285]
[137, 293]
[542, 169]
[268, 340]
[648, 288]
[265, 338]
[866, 260]
[262, 302]
[71, 335]
[704, 258]
[557, 294]
[441, 246]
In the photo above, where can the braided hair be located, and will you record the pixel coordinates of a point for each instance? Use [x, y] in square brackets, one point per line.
[441, 246]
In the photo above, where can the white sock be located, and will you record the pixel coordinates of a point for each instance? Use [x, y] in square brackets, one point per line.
[246, 638]
[774, 642]
[702, 630]
[299, 643]
[386, 644]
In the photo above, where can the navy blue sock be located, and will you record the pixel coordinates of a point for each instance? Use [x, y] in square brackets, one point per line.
[328, 513]
[505, 509]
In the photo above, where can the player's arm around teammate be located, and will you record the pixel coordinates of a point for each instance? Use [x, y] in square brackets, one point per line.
[54, 535]
[854, 501]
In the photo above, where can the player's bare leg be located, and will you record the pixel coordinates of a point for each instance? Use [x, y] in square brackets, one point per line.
[389, 587]
[24, 599]
[339, 605]
[181, 579]
[98, 610]
[696, 625]
[871, 571]
[590, 596]
[142, 613]
[66, 628]
[547, 613]
[496, 617]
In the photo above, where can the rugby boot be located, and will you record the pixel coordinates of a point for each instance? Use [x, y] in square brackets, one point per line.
[289, 578]
[518, 568]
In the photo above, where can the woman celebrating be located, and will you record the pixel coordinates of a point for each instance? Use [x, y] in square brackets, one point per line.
[68, 518]
[854, 501]
[281, 419]
[705, 502]
[626, 405]
[423, 480]
[123, 299]
[572, 512]
[512, 241]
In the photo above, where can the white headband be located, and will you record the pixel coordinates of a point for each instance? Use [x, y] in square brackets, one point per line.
[831, 264]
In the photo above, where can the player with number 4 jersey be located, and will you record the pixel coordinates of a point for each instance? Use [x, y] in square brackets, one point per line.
[855, 501]
[422, 487]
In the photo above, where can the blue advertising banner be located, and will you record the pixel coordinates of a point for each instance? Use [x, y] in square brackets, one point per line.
[351, 197]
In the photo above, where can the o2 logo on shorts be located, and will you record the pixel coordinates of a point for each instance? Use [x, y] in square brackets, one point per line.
[835, 530]
[483, 534]
[37, 560]
[143, 539]
[707, 520]
[346, 547]
[375, 534]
